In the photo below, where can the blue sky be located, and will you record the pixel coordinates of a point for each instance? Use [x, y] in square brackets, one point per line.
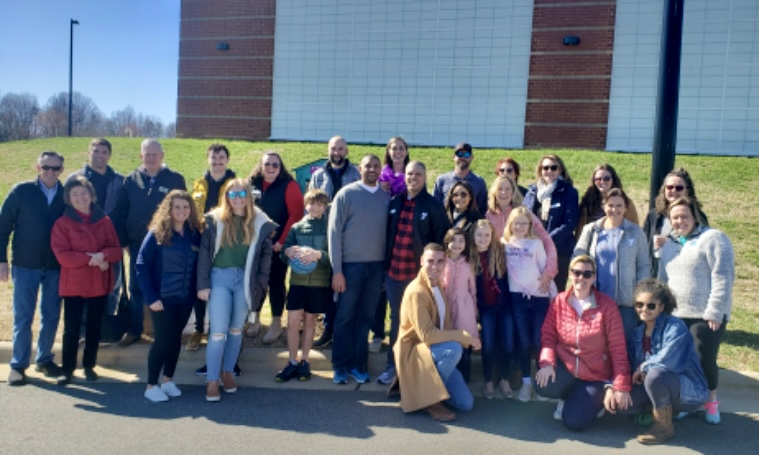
[125, 51]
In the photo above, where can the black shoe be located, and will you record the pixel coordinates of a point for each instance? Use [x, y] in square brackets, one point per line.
[64, 379]
[288, 372]
[304, 371]
[129, 340]
[202, 371]
[17, 377]
[50, 369]
[90, 375]
[324, 340]
[237, 371]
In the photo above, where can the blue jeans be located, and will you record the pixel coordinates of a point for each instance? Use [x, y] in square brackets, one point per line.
[26, 285]
[446, 356]
[395, 290]
[355, 313]
[583, 399]
[529, 314]
[136, 299]
[497, 328]
[227, 310]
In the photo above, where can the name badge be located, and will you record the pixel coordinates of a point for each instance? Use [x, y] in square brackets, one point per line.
[423, 216]
[556, 205]
[392, 212]
[163, 189]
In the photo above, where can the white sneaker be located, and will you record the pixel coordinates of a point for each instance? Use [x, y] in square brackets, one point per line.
[559, 410]
[171, 389]
[156, 395]
[525, 393]
[376, 345]
[387, 377]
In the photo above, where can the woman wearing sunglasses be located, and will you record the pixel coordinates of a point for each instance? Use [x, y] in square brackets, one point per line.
[461, 206]
[508, 167]
[583, 360]
[698, 264]
[657, 226]
[603, 179]
[667, 376]
[282, 200]
[555, 201]
[620, 250]
[233, 272]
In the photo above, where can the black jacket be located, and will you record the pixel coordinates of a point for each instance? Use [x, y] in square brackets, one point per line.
[562, 216]
[115, 184]
[25, 213]
[430, 223]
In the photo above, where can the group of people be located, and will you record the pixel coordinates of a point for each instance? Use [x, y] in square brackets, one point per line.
[469, 267]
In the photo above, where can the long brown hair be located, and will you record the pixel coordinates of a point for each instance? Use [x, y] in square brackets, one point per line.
[224, 213]
[662, 204]
[496, 255]
[564, 173]
[162, 225]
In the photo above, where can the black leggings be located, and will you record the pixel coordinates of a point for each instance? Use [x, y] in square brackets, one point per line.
[277, 286]
[167, 331]
[707, 343]
[199, 308]
[73, 310]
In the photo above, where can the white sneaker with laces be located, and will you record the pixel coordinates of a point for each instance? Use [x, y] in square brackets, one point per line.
[559, 410]
[156, 395]
[525, 393]
[170, 388]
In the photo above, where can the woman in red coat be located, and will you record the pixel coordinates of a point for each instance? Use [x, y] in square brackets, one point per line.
[85, 243]
[583, 360]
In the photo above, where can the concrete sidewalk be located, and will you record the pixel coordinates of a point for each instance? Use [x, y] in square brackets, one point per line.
[738, 391]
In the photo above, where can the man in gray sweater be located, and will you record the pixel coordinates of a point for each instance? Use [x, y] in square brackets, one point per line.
[356, 236]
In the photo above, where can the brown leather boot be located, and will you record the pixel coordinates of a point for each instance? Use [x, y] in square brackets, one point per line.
[662, 428]
[440, 413]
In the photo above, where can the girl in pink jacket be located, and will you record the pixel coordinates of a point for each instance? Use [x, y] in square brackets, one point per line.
[460, 290]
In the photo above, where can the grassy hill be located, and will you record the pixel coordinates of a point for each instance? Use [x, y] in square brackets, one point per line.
[727, 186]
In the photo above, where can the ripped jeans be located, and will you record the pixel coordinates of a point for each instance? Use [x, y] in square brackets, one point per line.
[446, 356]
[227, 310]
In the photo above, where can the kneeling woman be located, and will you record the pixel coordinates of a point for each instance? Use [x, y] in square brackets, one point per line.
[166, 271]
[233, 272]
[667, 374]
[584, 357]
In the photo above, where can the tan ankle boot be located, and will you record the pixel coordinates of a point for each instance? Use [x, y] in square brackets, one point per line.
[662, 428]
[275, 330]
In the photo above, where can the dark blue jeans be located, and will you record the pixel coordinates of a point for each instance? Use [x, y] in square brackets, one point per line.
[529, 313]
[395, 290]
[660, 388]
[630, 321]
[582, 399]
[497, 324]
[355, 313]
[136, 299]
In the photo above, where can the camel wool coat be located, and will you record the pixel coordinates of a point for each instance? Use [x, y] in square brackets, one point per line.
[420, 381]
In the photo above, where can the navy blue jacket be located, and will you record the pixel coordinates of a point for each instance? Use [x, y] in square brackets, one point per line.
[562, 216]
[25, 213]
[169, 272]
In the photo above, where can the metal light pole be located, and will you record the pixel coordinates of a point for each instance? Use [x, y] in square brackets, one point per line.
[71, 68]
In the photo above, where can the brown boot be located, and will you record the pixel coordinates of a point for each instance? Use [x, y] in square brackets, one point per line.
[662, 428]
[440, 413]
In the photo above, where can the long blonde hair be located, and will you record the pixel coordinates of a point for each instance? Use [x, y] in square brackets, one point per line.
[162, 225]
[496, 255]
[508, 233]
[516, 195]
[224, 213]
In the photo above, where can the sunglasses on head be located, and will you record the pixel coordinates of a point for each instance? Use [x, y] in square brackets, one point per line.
[552, 167]
[463, 154]
[460, 194]
[582, 273]
[237, 194]
[507, 170]
[274, 165]
[45, 167]
[605, 178]
[650, 306]
[674, 187]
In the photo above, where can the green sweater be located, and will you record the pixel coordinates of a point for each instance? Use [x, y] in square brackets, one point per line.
[312, 233]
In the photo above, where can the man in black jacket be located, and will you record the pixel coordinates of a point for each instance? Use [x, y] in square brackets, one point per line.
[29, 212]
[143, 191]
[415, 218]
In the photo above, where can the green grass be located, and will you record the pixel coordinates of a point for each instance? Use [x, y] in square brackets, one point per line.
[727, 187]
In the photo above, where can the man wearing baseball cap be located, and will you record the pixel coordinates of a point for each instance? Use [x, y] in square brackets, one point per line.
[462, 157]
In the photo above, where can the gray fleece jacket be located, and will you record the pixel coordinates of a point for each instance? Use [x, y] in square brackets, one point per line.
[633, 261]
[701, 273]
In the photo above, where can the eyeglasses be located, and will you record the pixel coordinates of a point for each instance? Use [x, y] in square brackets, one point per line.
[274, 165]
[553, 168]
[237, 194]
[677, 188]
[650, 306]
[460, 194]
[45, 167]
[463, 154]
[605, 178]
[582, 273]
[507, 170]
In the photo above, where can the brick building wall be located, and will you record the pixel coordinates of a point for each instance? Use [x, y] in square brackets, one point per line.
[568, 89]
[226, 94]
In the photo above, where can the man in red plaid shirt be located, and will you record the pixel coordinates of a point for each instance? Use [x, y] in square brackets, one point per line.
[415, 219]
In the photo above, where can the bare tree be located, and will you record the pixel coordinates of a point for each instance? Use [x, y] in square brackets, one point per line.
[17, 113]
[170, 130]
[86, 118]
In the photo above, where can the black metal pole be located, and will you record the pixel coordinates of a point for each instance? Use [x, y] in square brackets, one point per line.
[668, 97]
[71, 69]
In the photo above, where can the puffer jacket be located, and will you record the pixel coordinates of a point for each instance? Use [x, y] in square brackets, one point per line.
[562, 216]
[592, 347]
[167, 272]
[312, 233]
[672, 350]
